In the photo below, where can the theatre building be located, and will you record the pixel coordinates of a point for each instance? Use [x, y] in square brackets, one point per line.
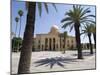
[53, 40]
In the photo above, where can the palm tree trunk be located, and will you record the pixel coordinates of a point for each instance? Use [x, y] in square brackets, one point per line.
[94, 35]
[26, 50]
[91, 49]
[19, 34]
[16, 28]
[78, 40]
[15, 36]
[19, 28]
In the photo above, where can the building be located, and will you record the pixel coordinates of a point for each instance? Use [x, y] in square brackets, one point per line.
[53, 40]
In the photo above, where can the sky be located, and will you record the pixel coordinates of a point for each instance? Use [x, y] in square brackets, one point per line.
[44, 23]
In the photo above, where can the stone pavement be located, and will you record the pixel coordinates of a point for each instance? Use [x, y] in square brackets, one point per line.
[47, 61]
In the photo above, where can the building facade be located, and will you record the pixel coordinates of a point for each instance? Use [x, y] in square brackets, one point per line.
[53, 41]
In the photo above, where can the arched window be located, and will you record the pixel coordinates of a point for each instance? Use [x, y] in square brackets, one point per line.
[46, 43]
[54, 43]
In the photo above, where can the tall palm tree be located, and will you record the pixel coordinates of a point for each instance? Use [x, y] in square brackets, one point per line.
[75, 18]
[26, 50]
[65, 35]
[20, 13]
[88, 31]
[94, 32]
[16, 20]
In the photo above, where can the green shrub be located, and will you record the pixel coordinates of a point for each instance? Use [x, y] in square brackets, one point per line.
[16, 44]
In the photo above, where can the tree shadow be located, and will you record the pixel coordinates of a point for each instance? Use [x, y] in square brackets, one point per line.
[60, 61]
[85, 54]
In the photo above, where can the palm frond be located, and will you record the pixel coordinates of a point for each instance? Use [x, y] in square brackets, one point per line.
[39, 8]
[66, 24]
[66, 19]
[54, 6]
[85, 11]
[93, 28]
[20, 12]
[84, 33]
[74, 8]
[87, 20]
[16, 19]
[70, 13]
[46, 7]
[87, 16]
[71, 28]
[81, 9]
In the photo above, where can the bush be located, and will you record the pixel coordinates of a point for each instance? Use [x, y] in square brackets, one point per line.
[16, 44]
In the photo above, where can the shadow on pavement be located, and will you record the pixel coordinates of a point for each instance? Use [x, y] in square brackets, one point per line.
[85, 54]
[60, 61]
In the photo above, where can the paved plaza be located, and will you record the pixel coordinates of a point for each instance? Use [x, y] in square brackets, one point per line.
[47, 61]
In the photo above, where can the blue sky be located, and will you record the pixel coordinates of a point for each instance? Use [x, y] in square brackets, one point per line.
[46, 21]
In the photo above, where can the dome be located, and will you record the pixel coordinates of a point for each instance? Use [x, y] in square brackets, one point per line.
[55, 27]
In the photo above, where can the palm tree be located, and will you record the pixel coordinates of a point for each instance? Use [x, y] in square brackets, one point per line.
[65, 35]
[20, 13]
[94, 33]
[26, 50]
[16, 20]
[88, 31]
[75, 18]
